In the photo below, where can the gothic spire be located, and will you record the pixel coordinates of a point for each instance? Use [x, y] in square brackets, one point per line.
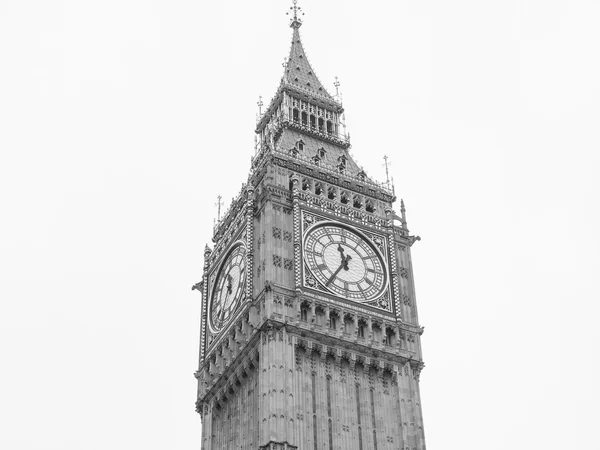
[298, 72]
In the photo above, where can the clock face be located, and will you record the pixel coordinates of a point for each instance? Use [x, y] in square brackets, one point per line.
[344, 262]
[228, 288]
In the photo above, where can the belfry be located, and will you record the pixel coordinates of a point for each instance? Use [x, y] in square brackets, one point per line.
[309, 334]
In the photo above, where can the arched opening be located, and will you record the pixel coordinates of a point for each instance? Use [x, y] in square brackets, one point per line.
[318, 188]
[331, 193]
[362, 325]
[306, 184]
[345, 198]
[319, 316]
[333, 320]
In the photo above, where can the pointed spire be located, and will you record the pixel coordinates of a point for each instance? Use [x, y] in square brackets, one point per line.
[298, 71]
[403, 212]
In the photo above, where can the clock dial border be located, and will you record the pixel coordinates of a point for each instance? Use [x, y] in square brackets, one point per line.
[337, 291]
[215, 280]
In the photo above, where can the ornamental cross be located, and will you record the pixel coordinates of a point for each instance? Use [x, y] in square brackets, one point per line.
[296, 10]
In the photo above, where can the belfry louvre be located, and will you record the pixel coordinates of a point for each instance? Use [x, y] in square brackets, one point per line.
[309, 335]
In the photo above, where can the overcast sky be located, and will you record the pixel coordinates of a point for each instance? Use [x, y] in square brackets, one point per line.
[122, 120]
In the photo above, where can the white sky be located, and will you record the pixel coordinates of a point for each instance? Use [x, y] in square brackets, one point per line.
[121, 121]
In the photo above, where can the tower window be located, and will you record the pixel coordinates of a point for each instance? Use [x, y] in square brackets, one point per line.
[329, 127]
[344, 198]
[304, 314]
[295, 115]
[313, 121]
[331, 193]
[389, 337]
[319, 316]
[376, 332]
[321, 124]
[321, 153]
[342, 164]
[300, 145]
[333, 320]
[348, 324]
[361, 329]
[304, 118]
[306, 184]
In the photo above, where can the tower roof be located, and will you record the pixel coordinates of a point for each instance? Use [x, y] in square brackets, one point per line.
[298, 71]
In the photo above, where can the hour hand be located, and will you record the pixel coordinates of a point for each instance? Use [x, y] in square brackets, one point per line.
[341, 250]
[229, 283]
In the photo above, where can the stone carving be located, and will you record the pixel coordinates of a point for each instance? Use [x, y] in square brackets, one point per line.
[277, 260]
[309, 280]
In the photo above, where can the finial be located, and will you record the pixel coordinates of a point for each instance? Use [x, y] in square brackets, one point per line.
[218, 205]
[285, 63]
[403, 214]
[295, 22]
[260, 104]
[387, 173]
[336, 83]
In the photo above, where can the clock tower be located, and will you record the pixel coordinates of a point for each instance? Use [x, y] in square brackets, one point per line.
[309, 332]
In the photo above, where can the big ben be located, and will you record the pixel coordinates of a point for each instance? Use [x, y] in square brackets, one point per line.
[309, 335]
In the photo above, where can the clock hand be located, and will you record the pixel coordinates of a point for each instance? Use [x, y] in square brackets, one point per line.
[341, 250]
[335, 273]
[229, 283]
[345, 262]
[346, 258]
